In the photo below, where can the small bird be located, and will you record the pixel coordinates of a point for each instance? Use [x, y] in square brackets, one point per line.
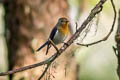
[58, 33]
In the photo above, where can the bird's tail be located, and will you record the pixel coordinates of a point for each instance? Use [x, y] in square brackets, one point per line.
[46, 43]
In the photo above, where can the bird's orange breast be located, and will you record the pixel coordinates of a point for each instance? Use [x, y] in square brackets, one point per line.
[63, 29]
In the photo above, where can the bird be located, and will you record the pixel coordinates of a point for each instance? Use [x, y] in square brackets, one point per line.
[58, 34]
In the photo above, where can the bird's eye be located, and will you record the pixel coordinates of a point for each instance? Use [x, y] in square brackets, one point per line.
[61, 21]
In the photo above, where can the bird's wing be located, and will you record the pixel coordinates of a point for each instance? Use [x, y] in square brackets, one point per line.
[52, 34]
[48, 43]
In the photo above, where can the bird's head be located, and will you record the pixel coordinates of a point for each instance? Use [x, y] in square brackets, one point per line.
[63, 21]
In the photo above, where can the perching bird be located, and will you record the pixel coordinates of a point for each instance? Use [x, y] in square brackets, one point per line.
[58, 34]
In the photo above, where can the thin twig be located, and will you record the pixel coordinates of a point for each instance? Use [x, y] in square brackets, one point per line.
[111, 30]
[53, 44]
[50, 62]
[97, 23]
[64, 47]
[76, 26]
[87, 30]
[24, 68]
[115, 51]
[44, 71]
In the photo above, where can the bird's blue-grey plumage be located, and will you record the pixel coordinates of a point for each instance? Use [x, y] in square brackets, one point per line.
[53, 33]
[51, 37]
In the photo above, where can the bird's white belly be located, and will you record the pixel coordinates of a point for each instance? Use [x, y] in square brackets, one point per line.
[59, 38]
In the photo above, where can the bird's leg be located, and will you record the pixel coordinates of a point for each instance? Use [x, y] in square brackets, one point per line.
[48, 47]
[53, 44]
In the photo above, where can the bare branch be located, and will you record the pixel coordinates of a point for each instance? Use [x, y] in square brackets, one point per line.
[97, 22]
[86, 31]
[106, 37]
[76, 26]
[117, 38]
[53, 45]
[24, 68]
[115, 51]
[48, 64]
[44, 71]
[93, 13]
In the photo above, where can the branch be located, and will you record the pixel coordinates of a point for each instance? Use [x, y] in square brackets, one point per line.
[111, 30]
[76, 25]
[117, 38]
[53, 45]
[93, 13]
[44, 71]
